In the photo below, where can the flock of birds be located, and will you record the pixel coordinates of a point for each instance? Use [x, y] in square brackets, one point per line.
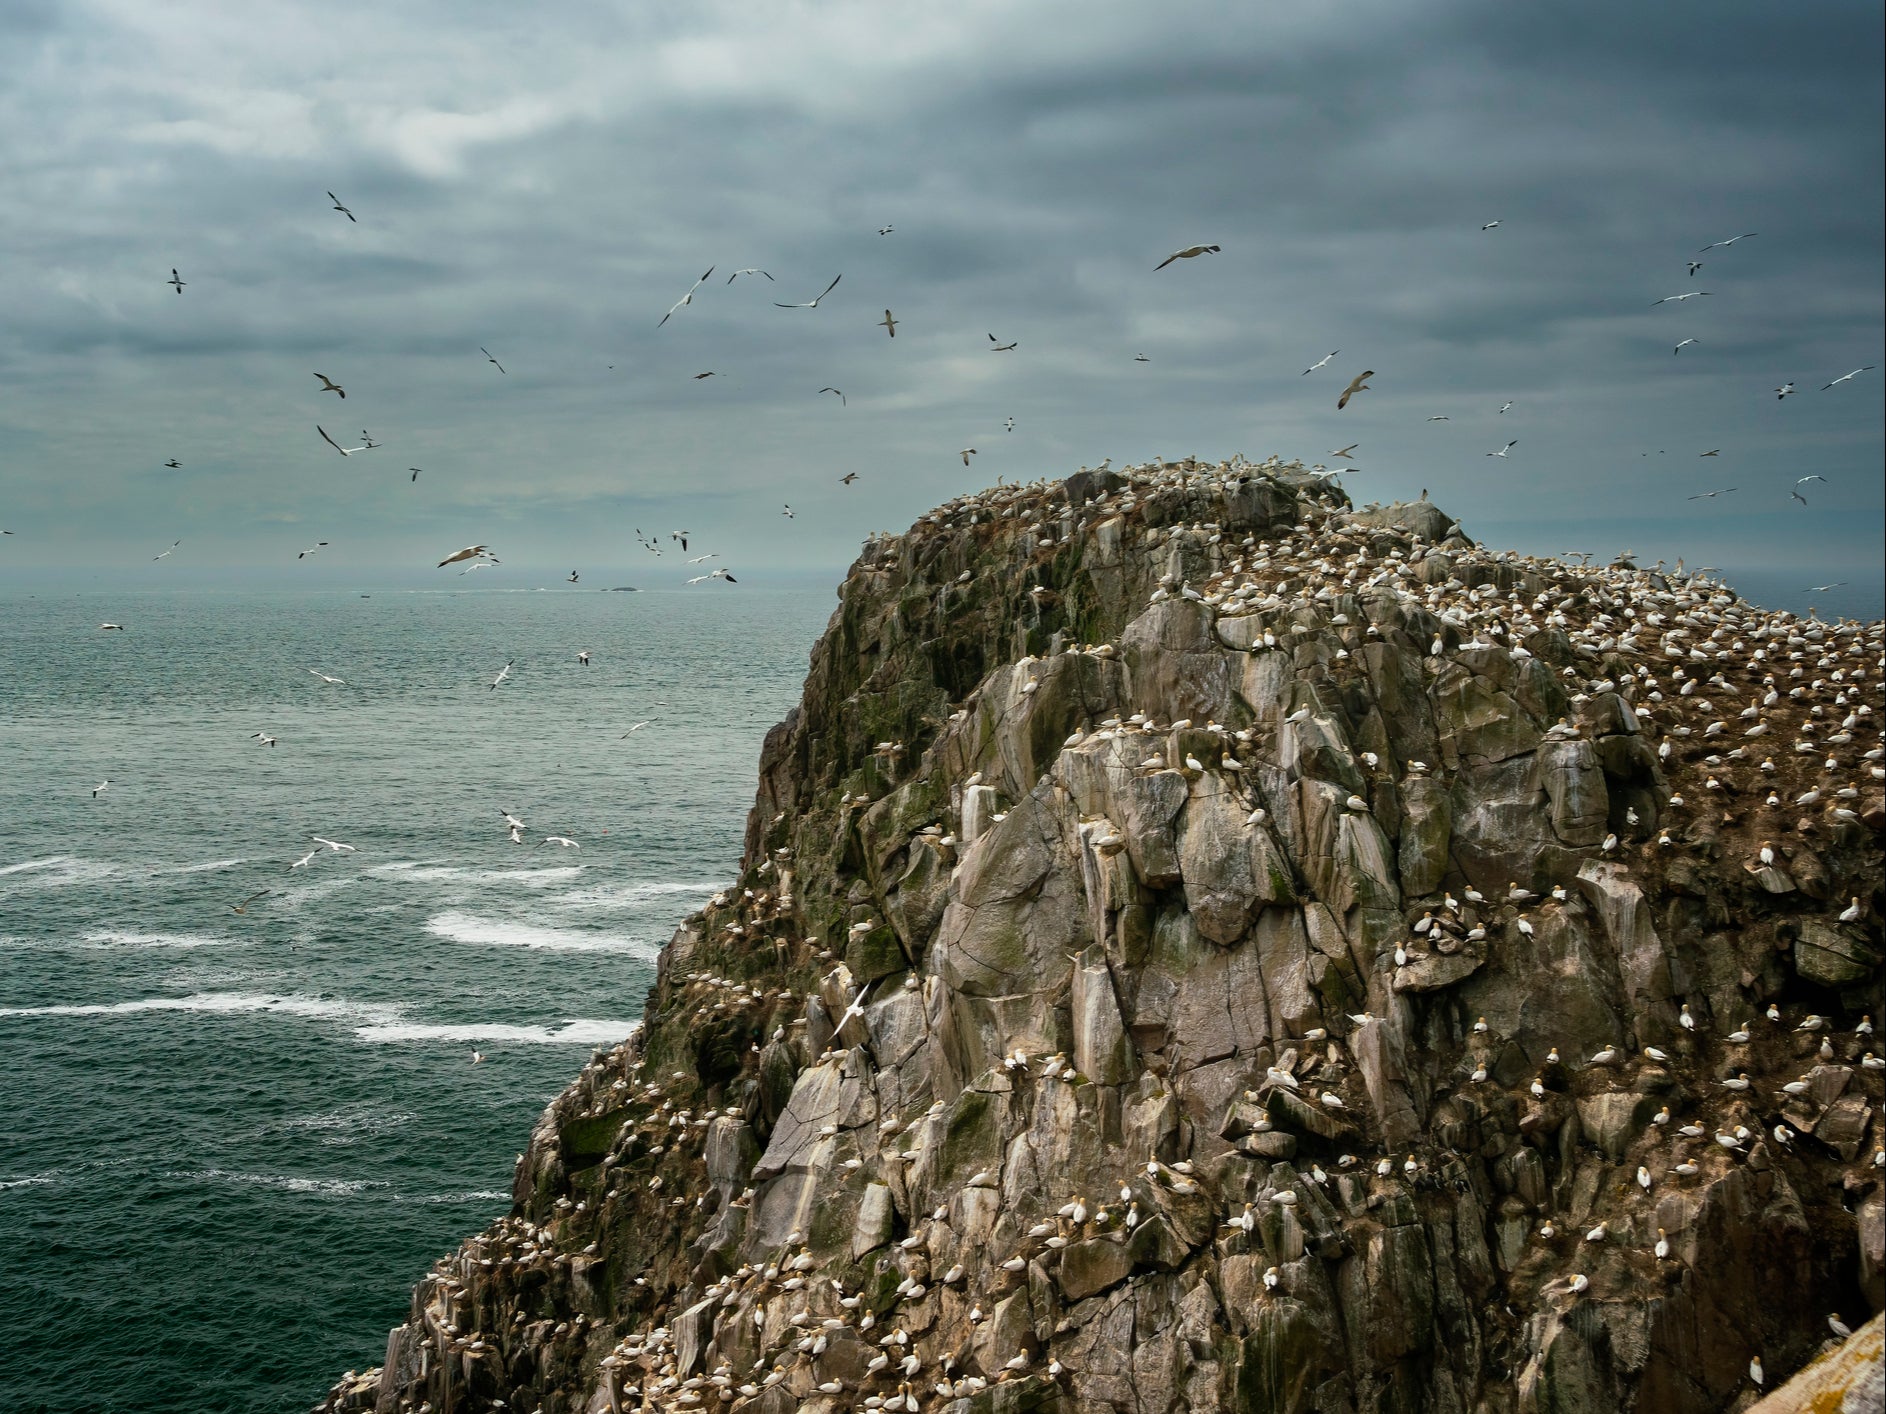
[1762, 720]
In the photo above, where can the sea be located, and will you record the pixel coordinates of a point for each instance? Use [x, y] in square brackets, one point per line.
[233, 1135]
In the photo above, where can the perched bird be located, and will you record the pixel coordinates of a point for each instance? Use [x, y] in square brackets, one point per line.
[1187, 254]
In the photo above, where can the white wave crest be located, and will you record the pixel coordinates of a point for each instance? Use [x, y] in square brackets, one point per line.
[458, 927]
[111, 938]
[490, 1195]
[331, 1187]
[309, 1008]
[580, 1032]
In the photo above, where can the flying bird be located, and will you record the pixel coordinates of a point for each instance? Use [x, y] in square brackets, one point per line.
[489, 359]
[263, 737]
[1489, 225]
[1504, 406]
[1321, 361]
[1694, 266]
[682, 536]
[966, 454]
[890, 324]
[1345, 451]
[999, 348]
[338, 207]
[787, 512]
[688, 298]
[119, 627]
[812, 304]
[100, 789]
[328, 385]
[1803, 480]
[331, 682]
[1784, 390]
[1669, 299]
[1141, 358]
[243, 907]
[175, 279]
[844, 480]
[1707, 495]
[1188, 253]
[469, 552]
[1797, 496]
[1361, 385]
[344, 451]
[699, 376]
[1867, 368]
[1713, 452]
[174, 464]
[632, 731]
[1823, 588]
[312, 549]
[1731, 241]
[1008, 424]
[841, 396]
[1504, 450]
[173, 545]
[1439, 417]
[750, 270]
[885, 230]
[503, 673]
[1680, 347]
[415, 471]
[367, 438]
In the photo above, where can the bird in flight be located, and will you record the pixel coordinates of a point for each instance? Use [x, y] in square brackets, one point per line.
[1731, 241]
[338, 207]
[1867, 368]
[489, 359]
[1345, 451]
[966, 454]
[1504, 406]
[812, 304]
[344, 451]
[699, 376]
[1489, 225]
[632, 731]
[318, 545]
[174, 464]
[1713, 452]
[100, 789]
[1784, 390]
[119, 627]
[331, 682]
[787, 512]
[1797, 496]
[999, 348]
[1680, 347]
[890, 324]
[1141, 358]
[503, 673]
[1803, 480]
[334, 846]
[263, 737]
[750, 270]
[173, 545]
[682, 536]
[572, 580]
[686, 299]
[886, 230]
[1008, 424]
[1188, 253]
[1707, 495]
[328, 385]
[243, 907]
[1504, 450]
[841, 396]
[468, 553]
[1321, 361]
[563, 840]
[844, 480]
[720, 573]
[175, 279]
[1694, 265]
[714, 554]
[415, 471]
[367, 438]
[1676, 299]
[1361, 385]
[1811, 589]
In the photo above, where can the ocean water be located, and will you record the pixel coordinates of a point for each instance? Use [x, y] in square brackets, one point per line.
[230, 1142]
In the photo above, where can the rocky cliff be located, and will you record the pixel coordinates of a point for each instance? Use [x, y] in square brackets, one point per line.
[1201, 946]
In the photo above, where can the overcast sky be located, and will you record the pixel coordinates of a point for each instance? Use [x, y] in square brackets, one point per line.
[546, 181]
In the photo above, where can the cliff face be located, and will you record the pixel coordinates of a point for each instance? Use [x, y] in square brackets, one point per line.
[1203, 947]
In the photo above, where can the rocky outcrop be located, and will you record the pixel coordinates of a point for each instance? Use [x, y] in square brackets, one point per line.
[1200, 947]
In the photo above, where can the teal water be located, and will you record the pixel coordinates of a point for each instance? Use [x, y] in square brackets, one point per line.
[230, 1143]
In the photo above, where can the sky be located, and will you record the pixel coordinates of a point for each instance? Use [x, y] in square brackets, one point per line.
[546, 182]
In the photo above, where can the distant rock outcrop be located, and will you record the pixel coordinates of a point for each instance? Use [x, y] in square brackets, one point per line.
[1200, 947]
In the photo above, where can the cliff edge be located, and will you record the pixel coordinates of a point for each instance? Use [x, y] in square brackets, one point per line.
[1201, 946]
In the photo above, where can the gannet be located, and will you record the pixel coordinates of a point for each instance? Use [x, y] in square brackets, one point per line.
[1188, 253]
